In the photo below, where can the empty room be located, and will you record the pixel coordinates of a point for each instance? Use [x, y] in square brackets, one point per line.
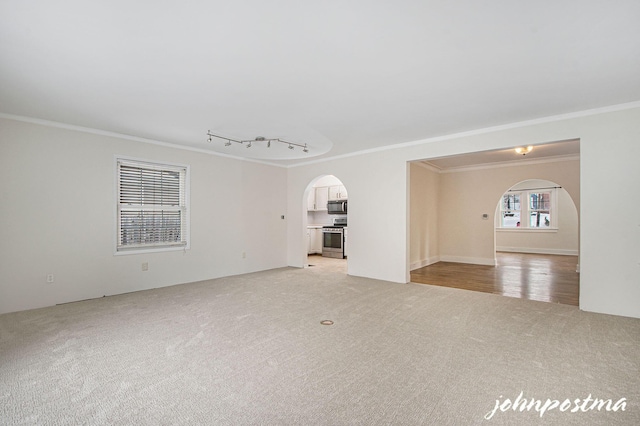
[212, 212]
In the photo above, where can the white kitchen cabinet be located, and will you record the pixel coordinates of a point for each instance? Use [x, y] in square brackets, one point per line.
[338, 192]
[316, 241]
[311, 200]
[318, 198]
[322, 196]
[314, 235]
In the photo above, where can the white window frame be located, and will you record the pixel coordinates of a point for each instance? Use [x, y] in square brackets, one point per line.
[525, 211]
[184, 207]
[502, 210]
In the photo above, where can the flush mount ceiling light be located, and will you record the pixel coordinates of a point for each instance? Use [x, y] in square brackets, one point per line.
[248, 143]
[523, 150]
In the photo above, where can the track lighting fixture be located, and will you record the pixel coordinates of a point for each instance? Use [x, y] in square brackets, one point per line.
[249, 142]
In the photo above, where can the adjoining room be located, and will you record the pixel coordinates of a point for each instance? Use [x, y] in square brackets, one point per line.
[512, 235]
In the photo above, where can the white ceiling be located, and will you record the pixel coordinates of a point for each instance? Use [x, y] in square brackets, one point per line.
[341, 76]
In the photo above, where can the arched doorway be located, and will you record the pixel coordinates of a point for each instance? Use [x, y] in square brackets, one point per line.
[325, 224]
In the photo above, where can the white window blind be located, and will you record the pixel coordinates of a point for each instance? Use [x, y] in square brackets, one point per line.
[152, 205]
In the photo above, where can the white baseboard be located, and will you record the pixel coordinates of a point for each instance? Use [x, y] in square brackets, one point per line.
[424, 262]
[471, 260]
[561, 252]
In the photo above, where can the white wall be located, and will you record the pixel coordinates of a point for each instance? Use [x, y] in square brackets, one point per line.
[423, 222]
[609, 242]
[467, 195]
[58, 217]
[377, 196]
[328, 180]
[610, 236]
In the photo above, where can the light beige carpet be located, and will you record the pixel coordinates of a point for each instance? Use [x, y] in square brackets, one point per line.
[250, 349]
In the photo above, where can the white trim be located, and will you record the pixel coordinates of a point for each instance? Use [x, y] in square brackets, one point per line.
[513, 163]
[427, 166]
[471, 260]
[160, 165]
[149, 250]
[424, 262]
[528, 230]
[561, 252]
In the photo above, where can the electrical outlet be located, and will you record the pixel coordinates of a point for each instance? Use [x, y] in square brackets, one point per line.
[49, 278]
[244, 255]
[145, 266]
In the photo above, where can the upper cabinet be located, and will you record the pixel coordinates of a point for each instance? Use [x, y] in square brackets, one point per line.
[318, 199]
[337, 192]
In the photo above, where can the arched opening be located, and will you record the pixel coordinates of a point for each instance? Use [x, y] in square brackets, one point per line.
[325, 224]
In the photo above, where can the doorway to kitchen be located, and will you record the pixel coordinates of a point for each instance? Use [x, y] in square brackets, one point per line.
[326, 224]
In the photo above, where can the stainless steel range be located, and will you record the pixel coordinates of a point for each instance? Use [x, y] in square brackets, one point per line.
[333, 239]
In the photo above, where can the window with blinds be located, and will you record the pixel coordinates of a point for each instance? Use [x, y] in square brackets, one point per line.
[152, 206]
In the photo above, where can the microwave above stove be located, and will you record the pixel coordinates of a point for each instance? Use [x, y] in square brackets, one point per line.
[337, 207]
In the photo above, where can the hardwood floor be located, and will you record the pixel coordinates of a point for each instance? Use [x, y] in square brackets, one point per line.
[546, 278]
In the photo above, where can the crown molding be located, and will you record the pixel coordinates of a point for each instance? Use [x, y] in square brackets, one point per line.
[549, 119]
[513, 163]
[519, 124]
[426, 165]
[72, 127]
